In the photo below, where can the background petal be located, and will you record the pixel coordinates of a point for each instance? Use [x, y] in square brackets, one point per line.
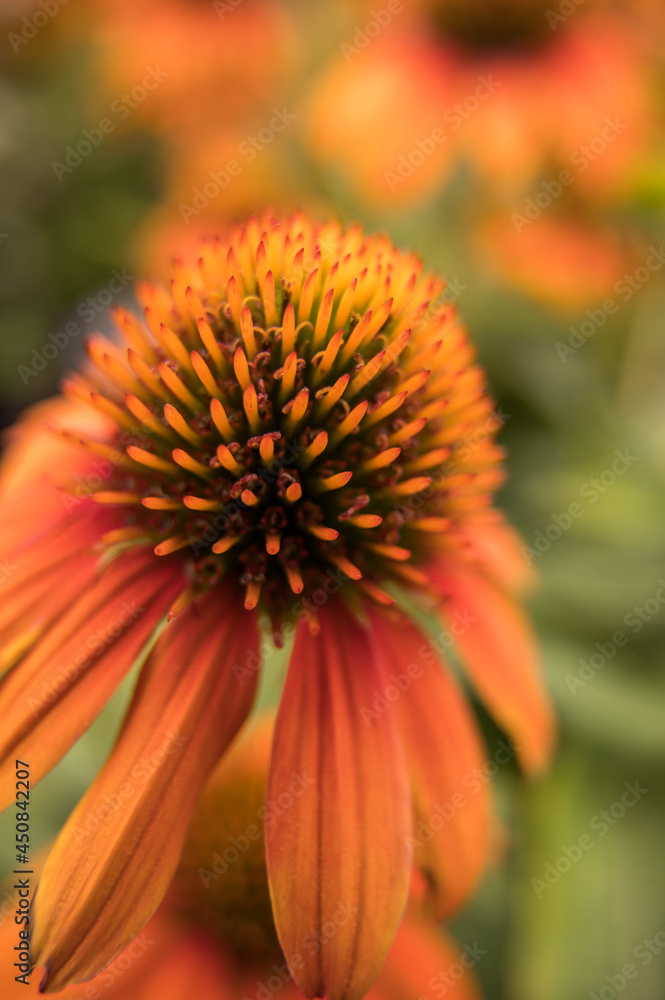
[423, 962]
[498, 649]
[445, 753]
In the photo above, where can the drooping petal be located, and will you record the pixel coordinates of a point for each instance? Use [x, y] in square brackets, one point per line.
[497, 647]
[187, 957]
[29, 610]
[445, 752]
[115, 857]
[338, 858]
[36, 463]
[162, 962]
[37, 586]
[498, 548]
[423, 962]
[32, 445]
[59, 688]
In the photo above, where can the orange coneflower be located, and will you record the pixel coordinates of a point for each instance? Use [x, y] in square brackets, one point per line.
[222, 61]
[584, 260]
[512, 89]
[296, 433]
[215, 928]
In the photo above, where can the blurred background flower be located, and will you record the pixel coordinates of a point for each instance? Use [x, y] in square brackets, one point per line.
[127, 130]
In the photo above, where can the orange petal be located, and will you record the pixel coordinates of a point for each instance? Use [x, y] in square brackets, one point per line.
[115, 857]
[59, 688]
[498, 648]
[69, 539]
[498, 548]
[156, 951]
[423, 962]
[37, 461]
[38, 585]
[162, 962]
[159, 963]
[338, 859]
[34, 451]
[445, 752]
[186, 957]
[29, 610]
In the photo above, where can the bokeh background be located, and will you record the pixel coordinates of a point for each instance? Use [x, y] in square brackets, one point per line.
[519, 147]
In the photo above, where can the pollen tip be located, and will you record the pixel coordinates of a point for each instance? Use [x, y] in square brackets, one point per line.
[252, 594]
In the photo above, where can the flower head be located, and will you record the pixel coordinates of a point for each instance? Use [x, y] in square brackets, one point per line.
[493, 23]
[301, 410]
[297, 430]
[199, 58]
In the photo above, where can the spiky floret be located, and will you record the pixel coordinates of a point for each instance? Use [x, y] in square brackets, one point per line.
[301, 404]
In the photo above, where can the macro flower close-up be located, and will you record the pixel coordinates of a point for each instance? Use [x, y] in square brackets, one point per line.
[332, 429]
[294, 436]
